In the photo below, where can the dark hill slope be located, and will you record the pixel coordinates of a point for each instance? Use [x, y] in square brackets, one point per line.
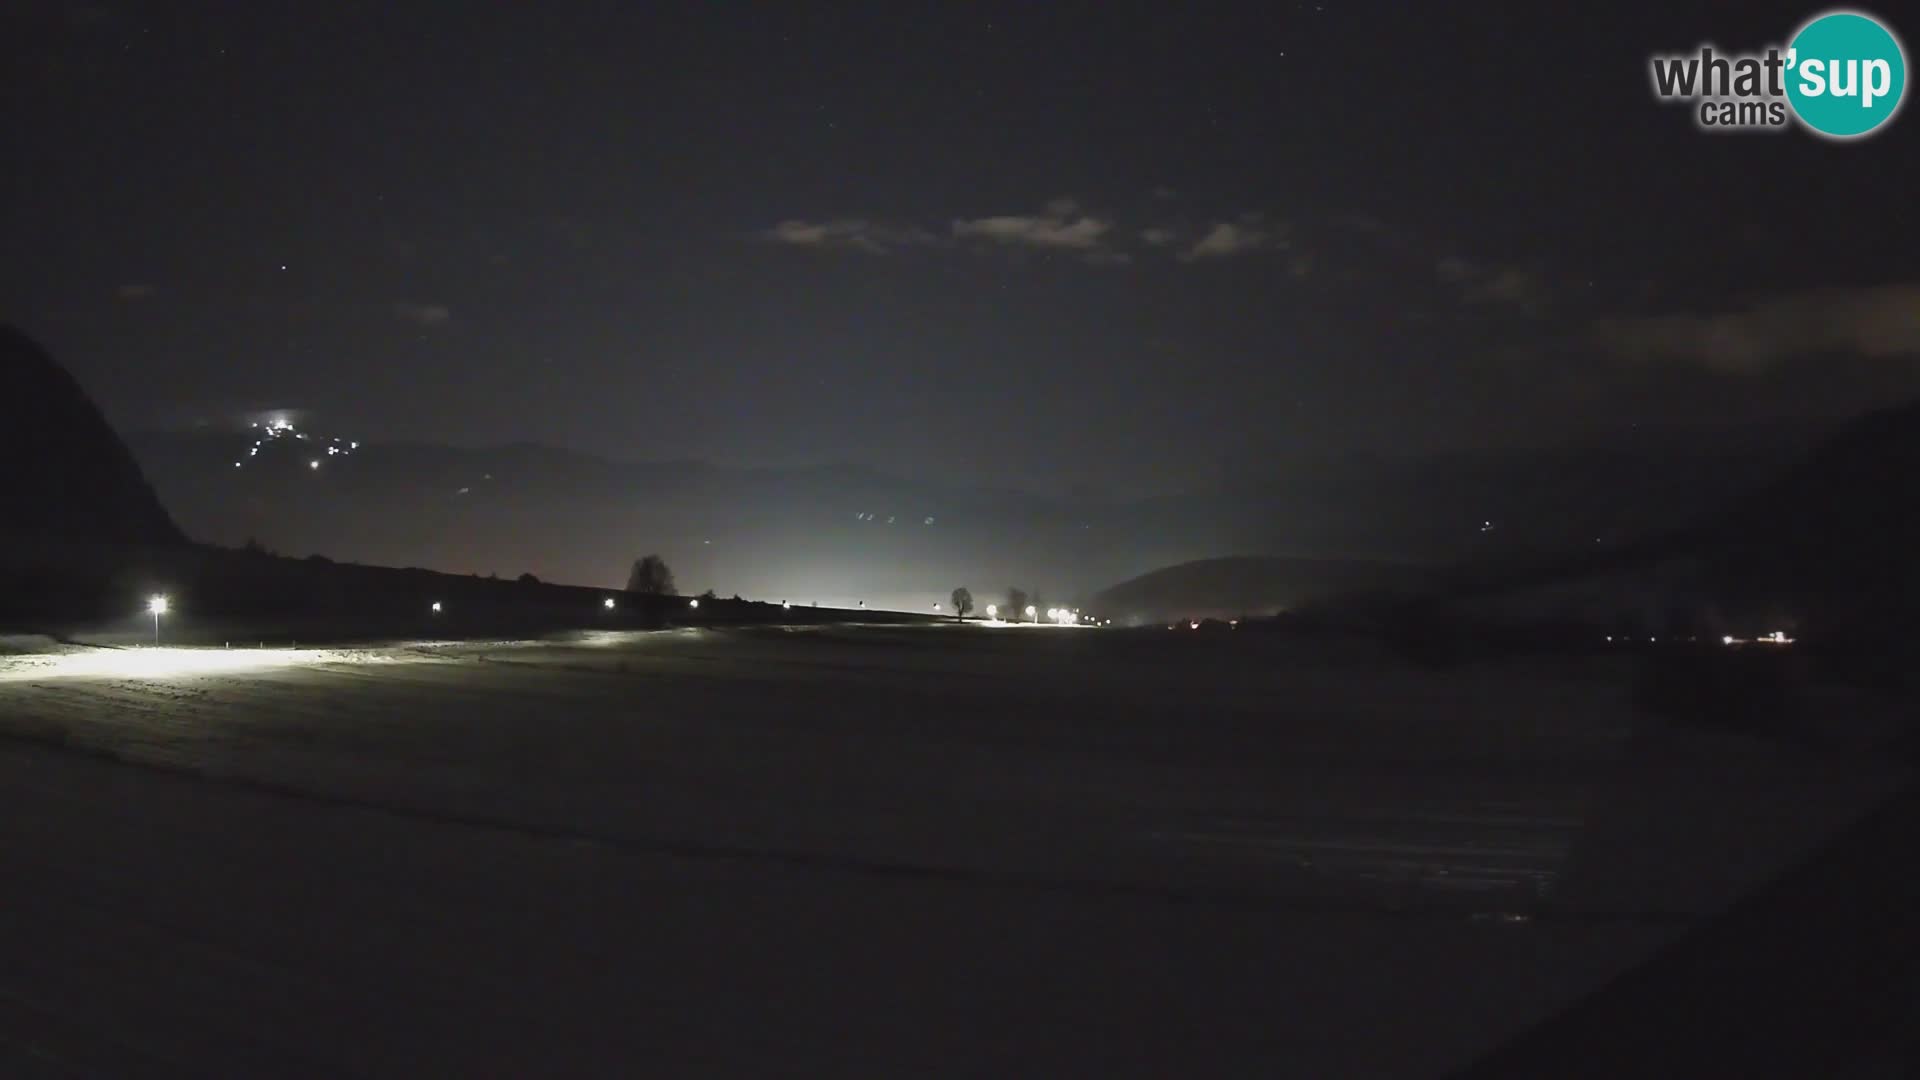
[1838, 536]
[64, 473]
[1248, 585]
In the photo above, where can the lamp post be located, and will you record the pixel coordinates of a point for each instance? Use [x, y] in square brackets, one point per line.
[157, 604]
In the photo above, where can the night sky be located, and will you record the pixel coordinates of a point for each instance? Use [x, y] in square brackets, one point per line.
[1112, 247]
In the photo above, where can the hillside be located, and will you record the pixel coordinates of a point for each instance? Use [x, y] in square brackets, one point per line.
[1824, 549]
[1838, 537]
[65, 476]
[1248, 585]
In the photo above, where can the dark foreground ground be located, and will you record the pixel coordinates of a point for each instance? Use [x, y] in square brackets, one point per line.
[853, 851]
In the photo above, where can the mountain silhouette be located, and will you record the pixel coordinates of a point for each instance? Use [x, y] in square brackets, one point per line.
[65, 475]
[1247, 585]
[1836, 538]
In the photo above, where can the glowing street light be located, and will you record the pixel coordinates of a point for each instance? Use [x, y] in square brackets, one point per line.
[157, 605]
[435, 607]
[314, 464]
[785, 605]
[1032, 614]
[694, 603]
[607, 603]
[993, 611]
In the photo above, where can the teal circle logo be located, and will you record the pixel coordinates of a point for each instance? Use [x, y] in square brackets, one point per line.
[1846, 74]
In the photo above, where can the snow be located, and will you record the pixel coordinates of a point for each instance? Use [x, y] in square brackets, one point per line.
[922, 850]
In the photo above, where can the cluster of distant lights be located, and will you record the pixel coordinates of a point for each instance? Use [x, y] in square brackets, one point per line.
[1777, 637]
[606, 604]
[891, 518]
[1059, 616]
[274, 430]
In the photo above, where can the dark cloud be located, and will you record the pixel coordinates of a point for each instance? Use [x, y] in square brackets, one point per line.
[853, 234]
[1228, 238]
[1882, 322]
[1507, 286]
[423, 314]
[1061, 227]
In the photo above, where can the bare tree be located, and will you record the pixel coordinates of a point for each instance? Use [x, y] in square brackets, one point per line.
[1016, 604]
[650, 577]
[962, 602]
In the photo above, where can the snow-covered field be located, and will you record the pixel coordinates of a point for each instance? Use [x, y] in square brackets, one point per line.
[849, 850]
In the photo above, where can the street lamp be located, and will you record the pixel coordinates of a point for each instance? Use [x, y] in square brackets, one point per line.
[607, 603]
[1032, 614]
[694, 603]
[435, 607]
[993, 611]
[157, 604]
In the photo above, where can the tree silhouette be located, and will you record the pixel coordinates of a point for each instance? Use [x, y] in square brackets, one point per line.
[962, 602]
[528, 579]
[1016, 604]
[650, 577]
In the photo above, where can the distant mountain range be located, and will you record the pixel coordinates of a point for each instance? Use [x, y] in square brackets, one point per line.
[1236, 586]
[1737, 521]
[847, 533]
[1826, 547]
